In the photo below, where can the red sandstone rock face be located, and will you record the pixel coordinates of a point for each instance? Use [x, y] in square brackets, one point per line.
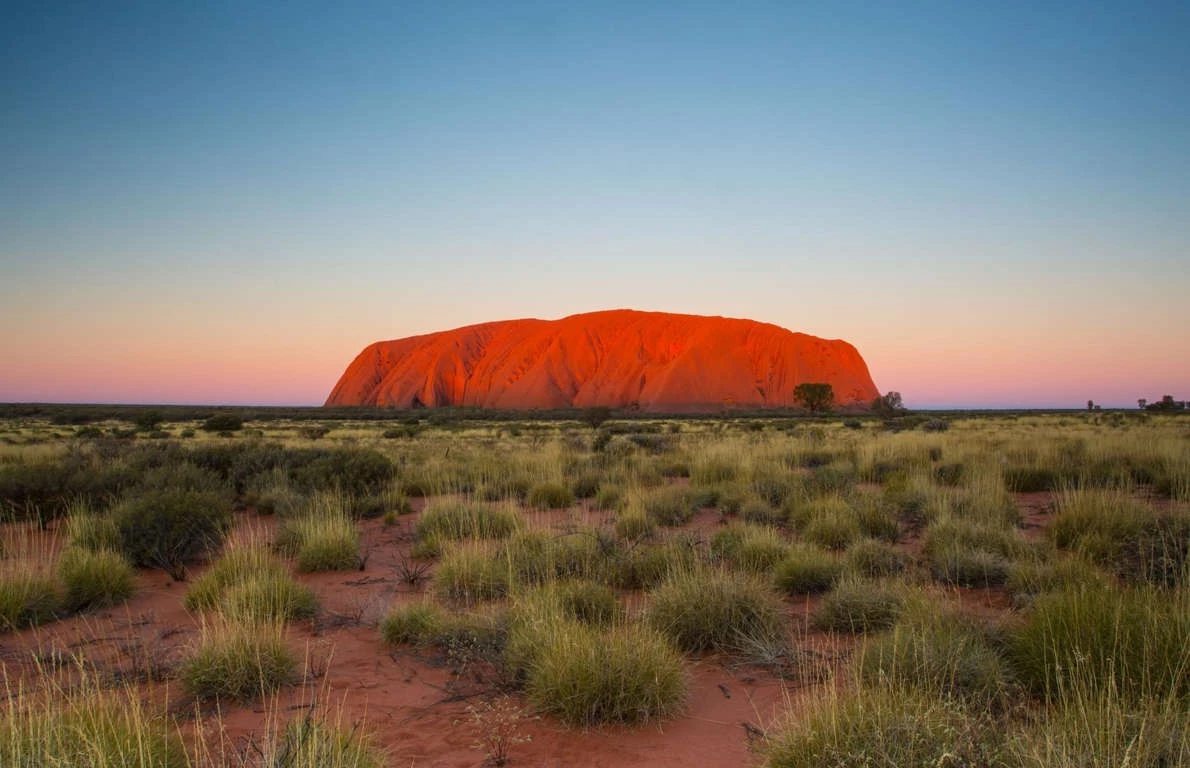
[658, 361]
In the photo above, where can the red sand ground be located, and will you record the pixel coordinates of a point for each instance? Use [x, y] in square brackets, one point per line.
[655, 360]
[416, 704]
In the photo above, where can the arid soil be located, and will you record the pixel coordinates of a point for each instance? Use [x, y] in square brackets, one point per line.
[415, 704]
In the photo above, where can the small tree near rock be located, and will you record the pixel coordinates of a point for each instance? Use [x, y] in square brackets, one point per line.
[815, 397]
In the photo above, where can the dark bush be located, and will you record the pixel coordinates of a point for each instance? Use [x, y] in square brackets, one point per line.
[356, 471]
[223, 422]
[170, 527]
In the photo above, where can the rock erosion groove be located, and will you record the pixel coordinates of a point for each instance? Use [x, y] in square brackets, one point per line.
[620, 358]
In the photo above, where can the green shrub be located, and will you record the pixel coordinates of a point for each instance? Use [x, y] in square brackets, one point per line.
[169, 528]
[94, 579]
[587, 485]
[239, 662]
[705, 609]
[550, 496]
[1030, 479]
[223, 422]
[808, 570]
[857, 606]
[351, 471]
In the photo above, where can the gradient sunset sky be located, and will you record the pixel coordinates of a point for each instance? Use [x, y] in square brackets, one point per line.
[225, 202]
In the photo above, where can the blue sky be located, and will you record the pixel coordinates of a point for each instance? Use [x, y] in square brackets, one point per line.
[225, 202]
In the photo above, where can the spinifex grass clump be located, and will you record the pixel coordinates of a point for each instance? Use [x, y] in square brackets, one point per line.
[250, 583]
[939, 653]
[472, 571]
[875, 559]
[310, 742]
[27, 599]
[828, 522]
[1091, 728]
[1125, 535]
[969, 567]
[84, 724]
[646, 566]
[413, 624]
[239, 661]
[750, 548]
[808, 570]
[29, 591]
[586, 674]
[455, 521]
[1132, 642]
[323, 537]
[882, 727]
[703, 609]
[670, 506]
[859, 606]
[94, 579]
[550, 496]
[89, 530]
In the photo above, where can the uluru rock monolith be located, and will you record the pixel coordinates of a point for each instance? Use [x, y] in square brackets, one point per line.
[623, 358]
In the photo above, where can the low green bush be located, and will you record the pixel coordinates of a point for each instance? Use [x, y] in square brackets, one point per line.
[170, 528]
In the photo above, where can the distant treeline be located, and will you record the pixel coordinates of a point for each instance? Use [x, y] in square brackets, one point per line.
[78, 414]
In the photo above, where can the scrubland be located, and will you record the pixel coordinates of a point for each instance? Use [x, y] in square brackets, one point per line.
[997, 590]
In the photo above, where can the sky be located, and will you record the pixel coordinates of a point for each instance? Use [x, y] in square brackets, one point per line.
[225, 202]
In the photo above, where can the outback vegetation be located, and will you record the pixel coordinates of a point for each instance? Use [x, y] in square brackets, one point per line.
[181, 587]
